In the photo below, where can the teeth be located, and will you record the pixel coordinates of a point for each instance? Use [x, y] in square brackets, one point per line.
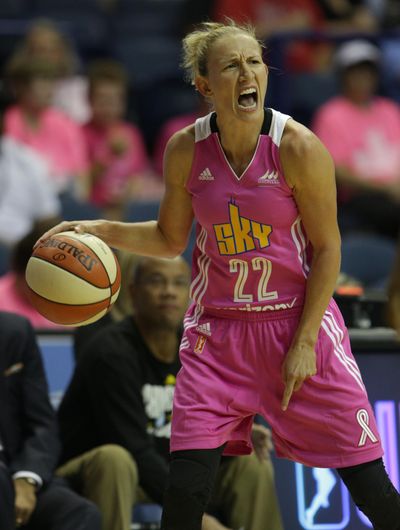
[248, 91]
[253, 106]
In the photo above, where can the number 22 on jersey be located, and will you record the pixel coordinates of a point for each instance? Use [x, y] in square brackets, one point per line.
[259, 265]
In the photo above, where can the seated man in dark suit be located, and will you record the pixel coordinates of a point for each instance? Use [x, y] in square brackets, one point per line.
[29, 444]
[115, 417]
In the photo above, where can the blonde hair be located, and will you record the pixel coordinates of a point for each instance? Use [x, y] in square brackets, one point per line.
[197, 44]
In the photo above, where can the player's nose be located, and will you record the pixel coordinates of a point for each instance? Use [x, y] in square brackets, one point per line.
[245, 70]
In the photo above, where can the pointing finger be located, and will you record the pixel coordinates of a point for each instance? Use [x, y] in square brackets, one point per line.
[287, 393]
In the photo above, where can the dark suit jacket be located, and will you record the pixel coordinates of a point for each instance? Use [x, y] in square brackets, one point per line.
[28, 428]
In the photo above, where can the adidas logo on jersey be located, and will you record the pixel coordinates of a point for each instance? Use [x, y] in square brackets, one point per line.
[205, 329]
[270, 177]
[206, 175]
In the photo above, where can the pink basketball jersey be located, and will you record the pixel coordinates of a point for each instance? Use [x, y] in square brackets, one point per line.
[251, 251]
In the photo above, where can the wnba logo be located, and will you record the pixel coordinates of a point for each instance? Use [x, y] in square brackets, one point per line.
[323, 501]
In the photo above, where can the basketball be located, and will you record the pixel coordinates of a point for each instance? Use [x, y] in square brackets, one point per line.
[73, 279]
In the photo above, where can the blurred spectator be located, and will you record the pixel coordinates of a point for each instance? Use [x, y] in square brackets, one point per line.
[349, 16]
[119, 164]
[362, 132]
[26, 192]
[29, 446]
[293, 16]
[45, 42]
[48, 131]
[14, 291]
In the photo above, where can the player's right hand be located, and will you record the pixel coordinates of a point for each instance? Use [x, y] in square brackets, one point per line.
[81, 227]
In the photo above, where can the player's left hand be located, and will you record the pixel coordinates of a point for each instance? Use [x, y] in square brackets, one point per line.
[262, 442]
[300, 363]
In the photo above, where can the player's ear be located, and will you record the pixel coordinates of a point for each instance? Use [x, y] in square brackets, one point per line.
[201, 83]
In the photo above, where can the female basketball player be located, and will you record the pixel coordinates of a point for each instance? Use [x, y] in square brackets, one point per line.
[263, 335]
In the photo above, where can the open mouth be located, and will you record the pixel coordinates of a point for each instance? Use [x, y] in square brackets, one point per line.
[248, 99]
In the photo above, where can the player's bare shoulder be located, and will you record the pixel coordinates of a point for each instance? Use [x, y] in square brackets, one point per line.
[301, 152]
[182, 140]
[178, 155]
[297, 141]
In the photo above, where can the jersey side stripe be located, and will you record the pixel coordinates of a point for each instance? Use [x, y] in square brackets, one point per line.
[200, 283]
[303, 240]
[198, 295]
[300, 242]
[203, 264]
[340, 335]
[199, 242]
[340, 354]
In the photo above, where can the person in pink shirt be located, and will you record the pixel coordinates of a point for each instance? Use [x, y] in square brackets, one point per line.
[14, 291]
[48, 131]
[119, 164]
[362, 132]
[45, 42]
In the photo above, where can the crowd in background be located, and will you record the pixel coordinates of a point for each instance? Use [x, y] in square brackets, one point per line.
[90, 96]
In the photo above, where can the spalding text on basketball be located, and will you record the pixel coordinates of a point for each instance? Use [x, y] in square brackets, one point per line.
[85, 259]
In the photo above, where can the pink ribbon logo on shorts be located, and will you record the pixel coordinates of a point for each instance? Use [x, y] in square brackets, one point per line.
[363, 420]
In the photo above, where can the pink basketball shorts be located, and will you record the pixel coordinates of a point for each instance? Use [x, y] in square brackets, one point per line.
[231, 371]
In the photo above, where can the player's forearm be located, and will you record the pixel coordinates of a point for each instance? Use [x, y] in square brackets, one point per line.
[145, 238]
[320, 286]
